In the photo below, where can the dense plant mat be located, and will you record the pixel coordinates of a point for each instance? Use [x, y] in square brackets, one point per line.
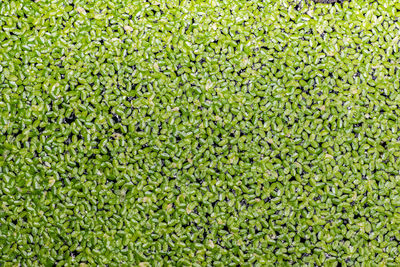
[199, 133]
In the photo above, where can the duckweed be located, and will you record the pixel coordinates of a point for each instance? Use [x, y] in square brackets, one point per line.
[199, 133]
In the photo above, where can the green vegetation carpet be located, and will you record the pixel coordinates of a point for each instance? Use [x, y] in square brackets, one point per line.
[199, 133]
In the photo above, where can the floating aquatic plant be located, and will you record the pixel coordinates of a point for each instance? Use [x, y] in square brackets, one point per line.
[199, 133]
